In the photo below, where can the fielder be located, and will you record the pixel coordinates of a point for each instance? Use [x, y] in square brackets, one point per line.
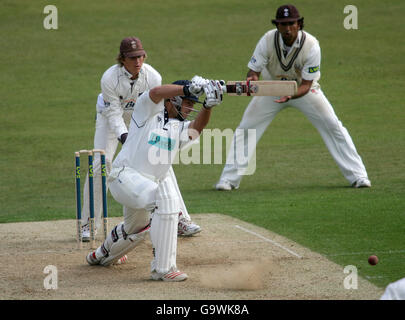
[121, 85]
[289, 53]
[395, 291]
[140, 177]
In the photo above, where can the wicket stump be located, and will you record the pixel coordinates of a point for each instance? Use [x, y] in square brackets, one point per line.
[90, 154]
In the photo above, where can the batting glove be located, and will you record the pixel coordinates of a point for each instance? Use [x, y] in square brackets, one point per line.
[214, 93]
[197, 85]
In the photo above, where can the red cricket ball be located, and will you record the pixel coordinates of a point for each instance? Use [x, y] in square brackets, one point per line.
[373, 260]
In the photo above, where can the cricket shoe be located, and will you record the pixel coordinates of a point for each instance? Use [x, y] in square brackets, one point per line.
[224, 185]
[122, 260]
[86, 233]
[362, 183]
[187, 227]
[92, 259]
[171, 276]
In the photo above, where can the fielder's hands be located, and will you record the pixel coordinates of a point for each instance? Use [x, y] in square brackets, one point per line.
[123, 137]
[283, 99]
[213, 92]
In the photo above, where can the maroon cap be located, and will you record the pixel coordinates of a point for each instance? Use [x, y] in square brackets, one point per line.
[286, 13]
[132, 47]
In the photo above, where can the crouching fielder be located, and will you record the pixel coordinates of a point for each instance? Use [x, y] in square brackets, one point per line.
[140, 176]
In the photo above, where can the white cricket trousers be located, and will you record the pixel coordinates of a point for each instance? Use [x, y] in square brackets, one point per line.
[260, 113]
[105, 139]
[137, 194]
[140, 195]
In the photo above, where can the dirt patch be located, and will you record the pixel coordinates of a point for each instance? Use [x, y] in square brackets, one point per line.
[229, 259]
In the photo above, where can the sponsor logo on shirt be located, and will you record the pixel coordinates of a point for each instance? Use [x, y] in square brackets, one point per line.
[313, 69]
[160, 142]
[129, 104]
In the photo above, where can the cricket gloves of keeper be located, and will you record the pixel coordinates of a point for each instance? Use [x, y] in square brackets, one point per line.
[123, 137]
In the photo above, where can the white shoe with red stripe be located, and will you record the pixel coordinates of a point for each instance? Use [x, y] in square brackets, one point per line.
[171, 276]
[187, 227]
[92, 259]
[122, 260]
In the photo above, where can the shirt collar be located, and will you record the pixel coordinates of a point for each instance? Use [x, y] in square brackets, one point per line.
[296, 43]
[129, 74]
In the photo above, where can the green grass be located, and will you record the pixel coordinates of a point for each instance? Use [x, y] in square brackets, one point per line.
[49, 82]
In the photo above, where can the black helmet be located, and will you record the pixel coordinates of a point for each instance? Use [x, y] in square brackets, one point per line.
[177, 101]
[185, 83]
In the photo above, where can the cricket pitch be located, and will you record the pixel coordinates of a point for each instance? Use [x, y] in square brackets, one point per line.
[229, 260]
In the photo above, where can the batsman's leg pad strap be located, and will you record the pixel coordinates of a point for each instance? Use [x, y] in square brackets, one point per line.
[113, 250]
[124, 234]
[167, 200]
[168, 206]
[114, 234]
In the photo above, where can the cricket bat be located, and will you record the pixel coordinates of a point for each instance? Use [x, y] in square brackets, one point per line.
[261, 88]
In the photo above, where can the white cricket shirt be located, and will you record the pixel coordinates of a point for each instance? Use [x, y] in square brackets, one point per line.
[152, 141]
[120, 93]
[300, 61]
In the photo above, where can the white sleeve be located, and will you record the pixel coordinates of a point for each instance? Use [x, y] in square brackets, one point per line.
[113, 111]
[312, 66]
[145, 108]
[154, 78]
[260, 56]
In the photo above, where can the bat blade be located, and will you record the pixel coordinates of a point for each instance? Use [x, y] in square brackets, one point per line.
[261, 88]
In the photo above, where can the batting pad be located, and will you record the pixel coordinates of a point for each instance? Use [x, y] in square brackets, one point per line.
[163, 234]
[164, 227]
[183, 208]
[118, 243]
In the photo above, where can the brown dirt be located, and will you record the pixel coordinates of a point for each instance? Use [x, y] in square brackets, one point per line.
[223, 262]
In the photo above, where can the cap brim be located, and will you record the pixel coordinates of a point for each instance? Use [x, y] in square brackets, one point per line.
[285, 20]
[136, 53]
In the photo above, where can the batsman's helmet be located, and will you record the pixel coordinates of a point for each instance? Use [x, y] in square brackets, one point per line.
[178, 100]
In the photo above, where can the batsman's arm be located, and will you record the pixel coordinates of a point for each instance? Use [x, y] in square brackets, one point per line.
[200, 122]
[165, 91]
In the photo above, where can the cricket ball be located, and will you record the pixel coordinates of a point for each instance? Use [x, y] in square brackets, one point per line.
[373, 260]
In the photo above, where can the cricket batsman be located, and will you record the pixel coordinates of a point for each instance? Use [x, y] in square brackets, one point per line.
[140, 177]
